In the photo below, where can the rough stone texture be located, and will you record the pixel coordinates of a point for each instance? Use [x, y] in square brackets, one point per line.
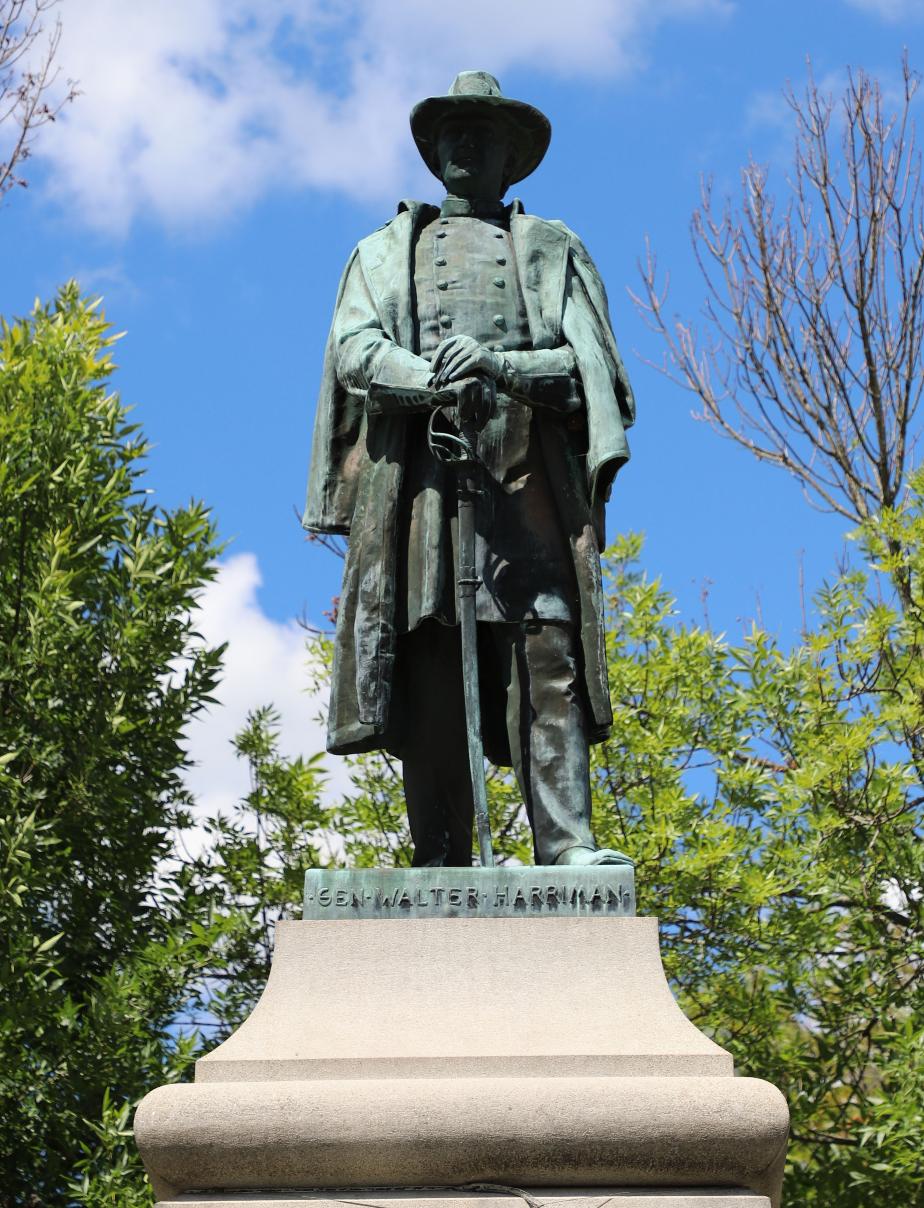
[608, 1197]
[543, 1052]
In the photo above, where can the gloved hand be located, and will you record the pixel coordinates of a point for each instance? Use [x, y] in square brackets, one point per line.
[469, 401]
[460, 357]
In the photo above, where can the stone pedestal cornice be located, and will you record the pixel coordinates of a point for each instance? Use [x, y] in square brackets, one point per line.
[419, 1053]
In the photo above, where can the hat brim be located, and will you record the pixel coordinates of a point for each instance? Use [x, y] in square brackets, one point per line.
[532, 130]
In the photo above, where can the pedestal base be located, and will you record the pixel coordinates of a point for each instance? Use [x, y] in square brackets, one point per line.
[541, 1052]
[538, 1197]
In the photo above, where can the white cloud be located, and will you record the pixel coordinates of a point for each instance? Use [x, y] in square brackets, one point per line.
[266, 663]
[109, 279]
[193, 109]
[890, 10]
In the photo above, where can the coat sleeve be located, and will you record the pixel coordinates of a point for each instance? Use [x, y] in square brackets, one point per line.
[338, 435]
[358, 353]
[542, 377]
[360, 358]
[369, 364]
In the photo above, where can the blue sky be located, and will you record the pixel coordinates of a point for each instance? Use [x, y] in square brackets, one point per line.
[226, 155]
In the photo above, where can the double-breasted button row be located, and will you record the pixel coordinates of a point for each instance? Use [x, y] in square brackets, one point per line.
[444, 280]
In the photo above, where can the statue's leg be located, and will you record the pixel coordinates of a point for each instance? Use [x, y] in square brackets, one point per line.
[434, 753]
[546, 728]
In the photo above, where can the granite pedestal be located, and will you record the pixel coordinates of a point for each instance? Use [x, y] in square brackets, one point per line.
[406, 1062]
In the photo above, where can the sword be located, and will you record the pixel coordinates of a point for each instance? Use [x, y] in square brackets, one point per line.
[458, 448]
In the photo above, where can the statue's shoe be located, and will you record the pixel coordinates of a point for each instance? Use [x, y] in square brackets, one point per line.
[588, 857]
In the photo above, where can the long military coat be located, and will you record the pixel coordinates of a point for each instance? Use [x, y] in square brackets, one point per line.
[358, 458]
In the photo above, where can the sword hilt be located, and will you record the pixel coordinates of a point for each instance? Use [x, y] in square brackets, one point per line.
[450, 445]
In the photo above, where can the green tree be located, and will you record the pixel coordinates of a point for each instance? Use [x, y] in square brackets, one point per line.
[254, 864]
[808, 354]
[772, 797]
[100, 669]
[773, 800]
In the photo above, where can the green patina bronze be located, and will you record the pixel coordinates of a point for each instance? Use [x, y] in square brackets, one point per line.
[466, 893]
[471, 616]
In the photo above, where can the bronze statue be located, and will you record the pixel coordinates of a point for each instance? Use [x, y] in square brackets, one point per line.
[473, 322]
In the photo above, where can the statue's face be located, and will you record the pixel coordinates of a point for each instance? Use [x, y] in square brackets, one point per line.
[473, 154]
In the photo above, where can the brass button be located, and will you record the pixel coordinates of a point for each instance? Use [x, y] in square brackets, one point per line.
[442, 285]
[501, 259]
[500, 321]
[440, 261]
[445, 321]
[499, 282]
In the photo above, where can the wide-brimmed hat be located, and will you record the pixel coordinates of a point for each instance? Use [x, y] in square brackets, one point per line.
[479, 92]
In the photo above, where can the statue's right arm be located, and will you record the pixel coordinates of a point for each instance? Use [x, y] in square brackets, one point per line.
[369, 363]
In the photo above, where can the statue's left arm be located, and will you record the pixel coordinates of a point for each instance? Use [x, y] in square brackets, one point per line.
[608, 397]
[584, 371]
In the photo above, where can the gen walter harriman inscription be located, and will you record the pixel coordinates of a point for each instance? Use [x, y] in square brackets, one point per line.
[439, 893]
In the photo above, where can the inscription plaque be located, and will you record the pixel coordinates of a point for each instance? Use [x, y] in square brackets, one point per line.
[465, 893]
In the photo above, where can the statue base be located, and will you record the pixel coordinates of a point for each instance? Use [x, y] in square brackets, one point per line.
[536, 1197]
[430, 1054]
[502, 892]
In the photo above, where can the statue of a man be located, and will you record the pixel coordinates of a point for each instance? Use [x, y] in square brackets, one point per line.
[474, 291]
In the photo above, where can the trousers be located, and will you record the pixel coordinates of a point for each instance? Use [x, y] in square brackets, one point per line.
[545, 723]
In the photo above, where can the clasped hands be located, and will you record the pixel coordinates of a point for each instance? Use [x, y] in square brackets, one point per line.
[467, 372]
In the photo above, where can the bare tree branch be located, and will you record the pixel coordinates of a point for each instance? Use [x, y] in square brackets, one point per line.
[28, 75]
[814, 308]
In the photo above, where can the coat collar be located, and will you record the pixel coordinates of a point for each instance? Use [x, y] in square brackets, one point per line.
[461, 207]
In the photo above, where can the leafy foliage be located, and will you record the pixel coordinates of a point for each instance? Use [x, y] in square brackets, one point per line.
[254, 865]
[771, 797]
[773, 802]
[100, 669]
